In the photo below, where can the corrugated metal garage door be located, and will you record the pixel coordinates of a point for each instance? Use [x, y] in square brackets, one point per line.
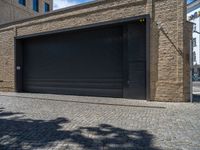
[85, 62]
[107, 60]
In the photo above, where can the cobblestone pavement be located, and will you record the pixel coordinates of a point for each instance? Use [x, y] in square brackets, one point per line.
[35, 121]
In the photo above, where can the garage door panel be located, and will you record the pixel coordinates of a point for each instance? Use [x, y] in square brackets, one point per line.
[93, 63]
[136, 61]
[136, 42]
[76, 91]
[114, 84]
[97, 58]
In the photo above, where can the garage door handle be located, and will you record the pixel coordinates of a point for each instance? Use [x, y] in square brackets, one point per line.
[18, 68]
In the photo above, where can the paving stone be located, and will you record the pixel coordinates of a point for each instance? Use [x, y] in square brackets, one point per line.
[54, 122]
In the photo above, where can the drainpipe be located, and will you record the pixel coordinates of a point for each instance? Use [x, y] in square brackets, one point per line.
[191, 67]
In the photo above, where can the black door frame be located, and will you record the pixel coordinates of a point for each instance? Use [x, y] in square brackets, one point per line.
[19, 44]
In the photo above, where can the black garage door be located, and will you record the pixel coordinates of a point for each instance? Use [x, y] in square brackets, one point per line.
[104, 61]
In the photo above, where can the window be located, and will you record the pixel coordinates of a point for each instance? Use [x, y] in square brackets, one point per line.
[36, 5]
[194, 27]
[193, 71]
[22, 2]
[198, 72]
[194, 42]
[46, 7]
[194, 57]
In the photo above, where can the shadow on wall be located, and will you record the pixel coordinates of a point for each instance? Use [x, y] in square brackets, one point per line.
[19, 133]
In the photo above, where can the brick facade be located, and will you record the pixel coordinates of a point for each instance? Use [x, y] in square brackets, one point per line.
[11, 10]
[169, 51]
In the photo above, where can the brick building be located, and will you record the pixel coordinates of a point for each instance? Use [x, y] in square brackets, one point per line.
[12, 10]
[193, 14]
[135, 49]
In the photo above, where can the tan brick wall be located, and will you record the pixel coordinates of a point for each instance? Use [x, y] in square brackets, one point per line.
[7, 60]
[168, 18]
[11, 10]
[167, 48]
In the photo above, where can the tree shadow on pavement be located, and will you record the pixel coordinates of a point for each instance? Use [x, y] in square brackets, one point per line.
[112, 138]
[4, 114]
[17, 132]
